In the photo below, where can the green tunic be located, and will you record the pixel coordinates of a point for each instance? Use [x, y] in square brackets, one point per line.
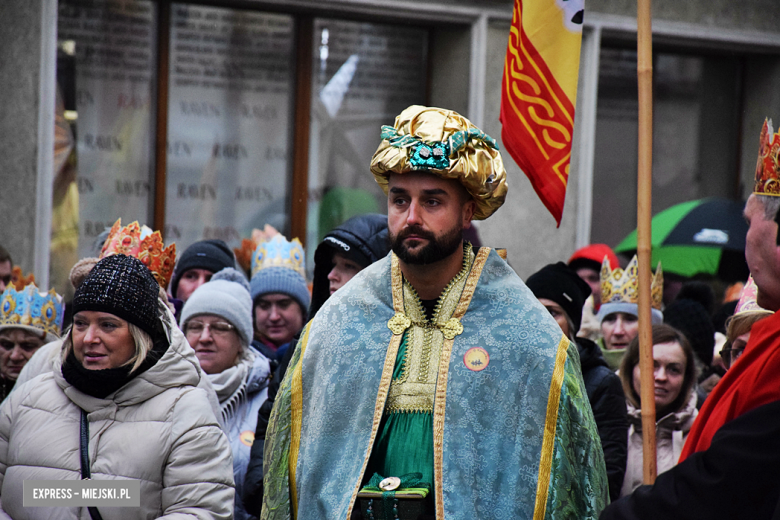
[404, 443]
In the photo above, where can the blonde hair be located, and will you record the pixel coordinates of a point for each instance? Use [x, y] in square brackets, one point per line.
[142, 341]
[743, 322]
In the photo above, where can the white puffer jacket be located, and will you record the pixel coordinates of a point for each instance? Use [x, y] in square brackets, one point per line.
[159, 428]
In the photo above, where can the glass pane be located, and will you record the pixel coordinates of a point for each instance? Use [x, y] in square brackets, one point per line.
[229, 123]
[364, 75]
[694, 136]
[105, 103]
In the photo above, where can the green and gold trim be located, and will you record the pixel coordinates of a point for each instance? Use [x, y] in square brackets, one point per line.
[440, 401]
[550, 424]
[296, 421]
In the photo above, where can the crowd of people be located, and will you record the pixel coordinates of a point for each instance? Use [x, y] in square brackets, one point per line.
[416, 377]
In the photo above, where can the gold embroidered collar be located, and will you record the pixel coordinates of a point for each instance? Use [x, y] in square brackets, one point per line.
[414, 390]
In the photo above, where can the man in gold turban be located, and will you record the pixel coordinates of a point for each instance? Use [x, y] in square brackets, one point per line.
[434, 384]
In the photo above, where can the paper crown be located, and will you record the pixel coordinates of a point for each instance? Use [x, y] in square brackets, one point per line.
[768, 165]
[245, 253]
[747, 300]
[279, 252]
[622, 286]
[32, 310]
[19, 280]
[145, 245]
[445, 144]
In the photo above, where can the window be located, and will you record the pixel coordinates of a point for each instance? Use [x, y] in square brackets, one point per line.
[230, 130]
[695, 131]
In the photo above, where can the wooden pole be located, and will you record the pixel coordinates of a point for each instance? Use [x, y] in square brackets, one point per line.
[299, 198]
[644, 204]
[161, 138]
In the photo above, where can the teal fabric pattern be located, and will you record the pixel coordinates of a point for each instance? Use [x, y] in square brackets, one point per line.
[276, 475]
[575, 422]
[494, 418]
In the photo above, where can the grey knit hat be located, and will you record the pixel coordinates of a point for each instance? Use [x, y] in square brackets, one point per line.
[226, 295]
[281, 280]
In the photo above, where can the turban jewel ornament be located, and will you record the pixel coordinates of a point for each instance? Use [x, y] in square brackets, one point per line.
[446, 144]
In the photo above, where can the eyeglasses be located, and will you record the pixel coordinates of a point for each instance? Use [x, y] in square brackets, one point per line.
[217, 329]
[730, 355]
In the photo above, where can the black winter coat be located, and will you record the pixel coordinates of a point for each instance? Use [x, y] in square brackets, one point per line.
[253, 481]
[735, 478]
[608, 401]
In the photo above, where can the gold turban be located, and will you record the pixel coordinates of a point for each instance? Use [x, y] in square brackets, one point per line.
[446, 144]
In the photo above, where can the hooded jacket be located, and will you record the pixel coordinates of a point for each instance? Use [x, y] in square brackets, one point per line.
[670, 434]
[363, 239]
[158, 429]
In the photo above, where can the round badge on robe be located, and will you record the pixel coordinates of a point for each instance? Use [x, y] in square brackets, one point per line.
[247, 437]
[476, 359]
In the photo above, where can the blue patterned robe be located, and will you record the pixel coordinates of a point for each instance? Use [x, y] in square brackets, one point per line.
[516, 439]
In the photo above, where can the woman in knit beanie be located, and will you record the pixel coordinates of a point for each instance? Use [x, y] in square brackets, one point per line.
[125, 373]
[217, 321]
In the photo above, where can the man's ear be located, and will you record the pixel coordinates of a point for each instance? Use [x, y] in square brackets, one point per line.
[469, 208]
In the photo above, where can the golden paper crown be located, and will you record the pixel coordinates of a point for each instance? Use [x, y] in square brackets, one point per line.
[145, 245]
[768, 165]
[445, 144]
[622, 286]
[279, 252]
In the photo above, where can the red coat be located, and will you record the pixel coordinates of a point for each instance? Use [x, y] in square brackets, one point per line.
[753, 380]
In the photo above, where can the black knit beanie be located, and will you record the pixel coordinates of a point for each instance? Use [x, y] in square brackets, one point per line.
[123, 286]
[691, 318]
[559, 283]
[213, 255]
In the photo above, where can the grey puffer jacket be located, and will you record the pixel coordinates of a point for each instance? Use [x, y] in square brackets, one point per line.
[158, 429]
[670, 434]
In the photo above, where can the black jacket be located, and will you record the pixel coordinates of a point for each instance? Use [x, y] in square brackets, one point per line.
[363, 239]
[735, 478]
[605, 393]
[253, 481]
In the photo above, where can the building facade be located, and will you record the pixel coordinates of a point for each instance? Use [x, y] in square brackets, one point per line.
[209, 119]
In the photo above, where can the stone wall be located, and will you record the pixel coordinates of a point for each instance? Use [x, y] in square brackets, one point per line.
[20, 41]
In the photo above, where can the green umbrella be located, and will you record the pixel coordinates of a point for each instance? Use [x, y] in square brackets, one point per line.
[705, 236]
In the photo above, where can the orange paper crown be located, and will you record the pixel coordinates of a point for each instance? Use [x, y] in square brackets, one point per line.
[19, 280]
[768, 165]
[248, 246]
[145, 245]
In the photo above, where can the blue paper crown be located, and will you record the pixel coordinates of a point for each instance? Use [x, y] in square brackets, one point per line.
[32, 310]
[279, 252]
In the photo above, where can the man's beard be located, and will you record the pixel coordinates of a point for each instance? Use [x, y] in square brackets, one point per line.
[435, 250]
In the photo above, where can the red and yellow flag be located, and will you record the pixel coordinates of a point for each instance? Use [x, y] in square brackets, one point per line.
[539, 92]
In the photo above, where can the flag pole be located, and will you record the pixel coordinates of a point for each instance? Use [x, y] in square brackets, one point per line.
[644, 203]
